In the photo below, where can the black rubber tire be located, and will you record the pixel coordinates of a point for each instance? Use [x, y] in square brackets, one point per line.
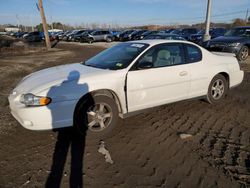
[90, 41]
[210, 98]
[80, 116]
[108, 39]
[239, 55]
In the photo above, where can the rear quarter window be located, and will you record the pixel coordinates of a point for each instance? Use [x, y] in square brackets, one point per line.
[193, 53]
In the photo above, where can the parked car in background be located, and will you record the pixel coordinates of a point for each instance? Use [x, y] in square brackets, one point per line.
[33, 37]
[116, 34]
[51, 36]
[84, 35]
[122, 80]
[164, 36]
[166, 31]
[77, 36]
[129, 36]
[124, 33]
[68, 35]
[59, 35]
[236, 40]
[19, 34]
[137, 35]
[98, 35]
[213, 32]
[184, 33]
[144, 34]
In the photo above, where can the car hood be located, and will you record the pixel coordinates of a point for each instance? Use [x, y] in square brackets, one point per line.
[41, 80]
[227, 39]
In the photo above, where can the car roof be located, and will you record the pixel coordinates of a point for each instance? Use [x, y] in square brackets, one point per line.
[159, 41]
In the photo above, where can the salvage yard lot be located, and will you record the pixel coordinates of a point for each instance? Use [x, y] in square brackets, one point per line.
[147, 149]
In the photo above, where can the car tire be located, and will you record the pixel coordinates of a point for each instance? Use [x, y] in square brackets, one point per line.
[96, 115]
[217, 89]
[108, 39]
[243, 53]
[90, 41]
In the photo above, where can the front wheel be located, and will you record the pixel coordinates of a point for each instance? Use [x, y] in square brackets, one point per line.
[243, 53]
[90, 41]
[108, 39]
[217, 89]
[97, 114]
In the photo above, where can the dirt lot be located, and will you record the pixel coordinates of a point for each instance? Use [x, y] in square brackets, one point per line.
[146, 149]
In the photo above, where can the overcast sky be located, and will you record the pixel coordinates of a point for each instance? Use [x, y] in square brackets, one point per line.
[123, 12]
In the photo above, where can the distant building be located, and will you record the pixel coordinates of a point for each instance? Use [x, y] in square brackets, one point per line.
[55, 30]
[12, 29]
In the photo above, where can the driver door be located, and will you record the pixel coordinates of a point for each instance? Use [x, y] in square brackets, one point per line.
[166, 80]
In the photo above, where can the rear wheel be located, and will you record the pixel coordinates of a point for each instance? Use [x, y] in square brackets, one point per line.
[90, 41]
[108, 39]
[98, 115]
[217, 89]
[243, 53]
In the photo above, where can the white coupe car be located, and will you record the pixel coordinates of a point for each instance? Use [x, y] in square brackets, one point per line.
[119, 81]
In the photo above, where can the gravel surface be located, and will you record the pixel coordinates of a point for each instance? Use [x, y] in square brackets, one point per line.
[185, 144]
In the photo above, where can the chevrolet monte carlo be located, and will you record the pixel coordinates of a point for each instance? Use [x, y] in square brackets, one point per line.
[120, 81]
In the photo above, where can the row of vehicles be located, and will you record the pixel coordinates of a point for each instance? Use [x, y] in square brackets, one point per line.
[235, 40]
[91, 36]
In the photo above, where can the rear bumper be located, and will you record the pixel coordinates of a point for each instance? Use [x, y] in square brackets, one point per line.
[236, 78]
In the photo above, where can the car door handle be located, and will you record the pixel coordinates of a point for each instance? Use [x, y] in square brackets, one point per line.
[183, 73]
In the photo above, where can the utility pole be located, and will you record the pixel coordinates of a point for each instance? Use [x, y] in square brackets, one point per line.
[45, 27]
[246, 20]
[206, 36]
[18, 21]
[31, 22]
[52, 27]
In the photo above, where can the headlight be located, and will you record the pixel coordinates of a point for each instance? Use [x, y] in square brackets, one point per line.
[235, 44]
[31, 100]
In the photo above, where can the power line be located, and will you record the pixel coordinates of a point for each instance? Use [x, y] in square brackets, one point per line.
[188, 18]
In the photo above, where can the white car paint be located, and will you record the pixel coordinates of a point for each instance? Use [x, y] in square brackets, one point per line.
[145, 88]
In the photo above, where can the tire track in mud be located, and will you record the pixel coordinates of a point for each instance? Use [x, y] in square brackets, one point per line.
[224, 141]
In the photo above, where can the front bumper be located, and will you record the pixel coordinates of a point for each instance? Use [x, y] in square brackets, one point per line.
[52, 116]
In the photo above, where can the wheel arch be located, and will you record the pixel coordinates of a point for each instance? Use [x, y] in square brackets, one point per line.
[247, 44]
[226, 76]
[106, 92]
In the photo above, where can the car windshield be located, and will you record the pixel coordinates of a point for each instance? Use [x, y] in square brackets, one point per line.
[201, 32]
[117, 57]
[175, 32]
[238, 32]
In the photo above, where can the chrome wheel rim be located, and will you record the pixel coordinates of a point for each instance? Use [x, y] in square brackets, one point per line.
[99, 117]
[244, 53]
[217, 89]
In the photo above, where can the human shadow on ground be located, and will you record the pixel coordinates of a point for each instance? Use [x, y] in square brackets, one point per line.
[69, 140]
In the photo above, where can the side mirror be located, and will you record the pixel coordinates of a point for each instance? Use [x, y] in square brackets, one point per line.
[145, 65]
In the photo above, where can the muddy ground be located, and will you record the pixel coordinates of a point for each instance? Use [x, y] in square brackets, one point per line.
[146, 149]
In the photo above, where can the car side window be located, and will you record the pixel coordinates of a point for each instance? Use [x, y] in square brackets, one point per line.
[164, 55]
[193, 53]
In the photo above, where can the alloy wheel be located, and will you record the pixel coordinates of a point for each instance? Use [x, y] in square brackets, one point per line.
[217, 89]
[99, 117]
